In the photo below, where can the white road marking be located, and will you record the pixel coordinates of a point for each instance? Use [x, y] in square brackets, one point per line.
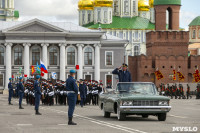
[178, 116]
[24, 124]
[130, 130]
[62, 124]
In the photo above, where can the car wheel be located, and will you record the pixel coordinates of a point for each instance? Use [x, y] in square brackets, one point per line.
[120, 116]
[162, 117]
[106, 114]
[145, 116]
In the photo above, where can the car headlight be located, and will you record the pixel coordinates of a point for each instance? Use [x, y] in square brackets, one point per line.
[127, 103]
[163, 103]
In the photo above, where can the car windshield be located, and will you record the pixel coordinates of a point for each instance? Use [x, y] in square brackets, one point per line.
[137, 88]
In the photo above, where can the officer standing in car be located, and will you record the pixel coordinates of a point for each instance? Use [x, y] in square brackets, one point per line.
[123, 74]
[10, 87]
[21, 92]
[72, 91]
[38, 94]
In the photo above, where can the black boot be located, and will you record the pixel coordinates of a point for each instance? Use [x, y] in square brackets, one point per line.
[20, 107]
[71, 122]
[10, 103]
[37, 112]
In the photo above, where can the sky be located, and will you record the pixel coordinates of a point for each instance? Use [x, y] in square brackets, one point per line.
[67, 10]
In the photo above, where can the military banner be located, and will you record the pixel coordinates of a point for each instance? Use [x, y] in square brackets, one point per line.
[196, 76]
[180, 76]
[159, 75]
[174, 76]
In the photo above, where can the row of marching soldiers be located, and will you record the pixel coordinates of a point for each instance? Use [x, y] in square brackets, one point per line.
[55, 93]
[178, 91]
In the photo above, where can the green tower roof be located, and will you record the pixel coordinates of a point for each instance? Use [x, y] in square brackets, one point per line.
[167, 2]
[16, 14]
[195, 22]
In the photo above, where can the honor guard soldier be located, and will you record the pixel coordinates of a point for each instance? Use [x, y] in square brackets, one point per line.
[123, 74]
[72, 91]
[10, 87]
[20, 92]
[188, 91]
[38, 94]
[83, 92]
[198, 92]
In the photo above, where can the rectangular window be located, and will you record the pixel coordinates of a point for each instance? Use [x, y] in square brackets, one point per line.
[89, 16]
[83, 18]
[134, 7]
[109, 58]
[136, 50]
[2, 58]
[99, 15]
[109, 81]
[194, 34]
[1, 79]
[105, 15]
[126, 7]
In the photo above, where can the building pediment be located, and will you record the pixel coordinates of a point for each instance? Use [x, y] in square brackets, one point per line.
[34, 25]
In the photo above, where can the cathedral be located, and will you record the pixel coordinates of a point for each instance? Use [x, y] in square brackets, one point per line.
[7, 11]
[126, 19]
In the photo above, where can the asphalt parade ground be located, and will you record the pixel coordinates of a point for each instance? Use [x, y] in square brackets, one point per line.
[184, 113]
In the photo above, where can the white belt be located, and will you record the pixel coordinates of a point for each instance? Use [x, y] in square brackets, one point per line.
[70, 92]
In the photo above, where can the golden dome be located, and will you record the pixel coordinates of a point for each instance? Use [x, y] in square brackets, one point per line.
[103, 3]
[143, 5]
[151, 3]
[86, 5]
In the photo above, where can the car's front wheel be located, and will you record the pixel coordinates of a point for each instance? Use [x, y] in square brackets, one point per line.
[120, 115]
[106, 114]
[162, 117]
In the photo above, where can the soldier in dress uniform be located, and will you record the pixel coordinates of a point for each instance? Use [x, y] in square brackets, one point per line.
[72, 91]
[123, 74]
[188, 91]
[83, 92]
[10, 89]
[20, 92]
[38, 94]
[198, 92]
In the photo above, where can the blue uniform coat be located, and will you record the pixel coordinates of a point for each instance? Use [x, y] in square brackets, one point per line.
[124, 76]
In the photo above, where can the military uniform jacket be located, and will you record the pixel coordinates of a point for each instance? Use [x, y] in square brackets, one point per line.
[71, 85]
[10, 87]
[82, 89]
[37, 88]
[20, 87]
[124, 76]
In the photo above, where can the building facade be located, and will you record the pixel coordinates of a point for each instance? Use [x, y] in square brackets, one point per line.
[167, 50]
[194, 29]
[126, 19]
[61, 46]
[7, 11]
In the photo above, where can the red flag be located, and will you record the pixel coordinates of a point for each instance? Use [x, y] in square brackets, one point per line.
[42, 74]
[13, 76]
[25, 75]
[77, 67]
[174, 77]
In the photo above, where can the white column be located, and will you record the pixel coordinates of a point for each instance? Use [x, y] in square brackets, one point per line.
[80, 61]
[8, 63]
[26, 59]
[6, 4]
[62, 61]
[97, 62]
[13, 3]
[44, 57]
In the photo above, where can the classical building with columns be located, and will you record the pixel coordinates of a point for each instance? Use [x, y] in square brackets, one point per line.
[61, 46]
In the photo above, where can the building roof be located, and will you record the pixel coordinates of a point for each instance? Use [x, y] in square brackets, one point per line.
[64, 27]
[195, 22]
[137, 23]
[167, 2]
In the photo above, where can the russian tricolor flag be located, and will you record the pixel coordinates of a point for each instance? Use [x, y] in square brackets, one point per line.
[43, 68]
